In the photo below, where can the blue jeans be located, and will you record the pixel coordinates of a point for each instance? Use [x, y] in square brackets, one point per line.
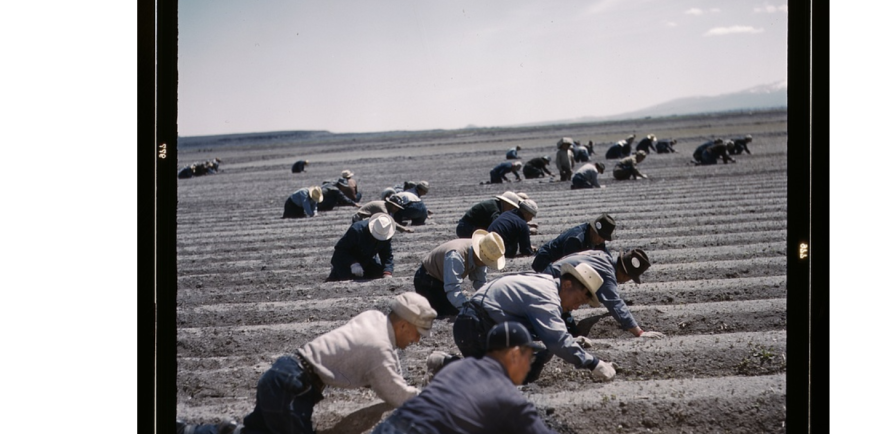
[416, 212]
[285, 400]
[579, 180]
[708, 158]
[470, 332]
[396, 425]
[373, 269]
[432, 289]
[292, 210]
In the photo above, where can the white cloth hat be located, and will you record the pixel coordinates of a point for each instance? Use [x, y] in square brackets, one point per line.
[381, 226]
[489, 248]
[416, 310]
[529, 206]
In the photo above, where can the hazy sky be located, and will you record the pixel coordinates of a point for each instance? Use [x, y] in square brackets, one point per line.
[344, 66]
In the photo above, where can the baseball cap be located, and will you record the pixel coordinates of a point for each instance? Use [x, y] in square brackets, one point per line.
[510, 334]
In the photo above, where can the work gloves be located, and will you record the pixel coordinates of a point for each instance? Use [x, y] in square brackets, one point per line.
[652, 335]
[357, 270]
[603, 371]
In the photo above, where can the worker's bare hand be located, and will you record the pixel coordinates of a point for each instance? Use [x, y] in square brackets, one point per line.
[652, 335]
[583, 342]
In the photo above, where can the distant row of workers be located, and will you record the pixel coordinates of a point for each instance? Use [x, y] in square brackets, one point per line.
[198, 169]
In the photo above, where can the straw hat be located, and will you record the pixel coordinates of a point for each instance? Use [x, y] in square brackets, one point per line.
[489, 248]
[347, 174]
[316, 194]
[510, 197]
[588, 277]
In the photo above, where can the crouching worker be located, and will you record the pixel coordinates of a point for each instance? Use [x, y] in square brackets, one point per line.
[629, 265]
[364, 252]
[536, 301]
[476, 395]
[444, 269]
[587, 176]
[303, 202]
[361, 353]
[626, 167]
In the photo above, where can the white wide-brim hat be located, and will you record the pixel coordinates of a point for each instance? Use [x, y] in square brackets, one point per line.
[381, 226]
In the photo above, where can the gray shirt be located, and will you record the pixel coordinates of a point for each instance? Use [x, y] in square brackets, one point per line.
[533, 301]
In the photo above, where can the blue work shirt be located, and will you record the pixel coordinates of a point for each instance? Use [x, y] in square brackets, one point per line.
[359, 245]
[472, 396]
[302, 199]
[576, 239]
[513, 229]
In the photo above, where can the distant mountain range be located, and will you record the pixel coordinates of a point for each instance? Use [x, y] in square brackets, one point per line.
[774, 95]
[768, 96]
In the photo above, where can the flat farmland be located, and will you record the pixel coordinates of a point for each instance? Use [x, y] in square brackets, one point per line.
[250, 285]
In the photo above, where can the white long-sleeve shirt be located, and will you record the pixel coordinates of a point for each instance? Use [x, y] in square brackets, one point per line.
[361, 353]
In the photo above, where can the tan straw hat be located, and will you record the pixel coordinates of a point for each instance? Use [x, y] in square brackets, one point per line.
[588, 277]
[316, 194]
[489, 248]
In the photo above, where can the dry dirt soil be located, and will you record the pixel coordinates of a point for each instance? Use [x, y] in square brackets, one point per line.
[250, 284]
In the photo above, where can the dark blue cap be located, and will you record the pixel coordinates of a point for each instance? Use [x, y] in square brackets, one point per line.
[508, 335]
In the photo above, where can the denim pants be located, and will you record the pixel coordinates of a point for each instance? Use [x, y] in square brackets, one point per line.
[416, 212]
[292, 210]
[395, 425]
[373, 269]
[432, 289]
[579, 180]
[495, 177]
[708, 158]
[285, 400]
[470, 335]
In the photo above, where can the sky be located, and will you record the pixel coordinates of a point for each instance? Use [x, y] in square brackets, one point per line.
[385, 65]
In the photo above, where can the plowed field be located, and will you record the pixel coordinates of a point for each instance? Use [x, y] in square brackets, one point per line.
[250, 284]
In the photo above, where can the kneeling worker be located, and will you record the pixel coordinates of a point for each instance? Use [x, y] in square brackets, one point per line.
[361, 353]
[364, 251]
[443, 270]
